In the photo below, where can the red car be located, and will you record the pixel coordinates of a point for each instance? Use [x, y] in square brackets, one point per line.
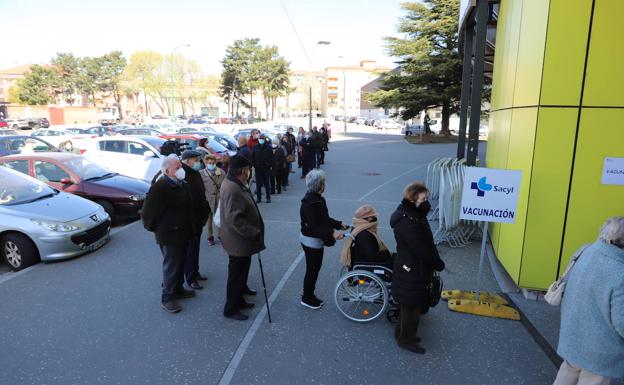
[192, 141]
[120, 196]
[3, 123]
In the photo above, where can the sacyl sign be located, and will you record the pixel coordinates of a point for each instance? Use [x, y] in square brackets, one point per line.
[490, 195]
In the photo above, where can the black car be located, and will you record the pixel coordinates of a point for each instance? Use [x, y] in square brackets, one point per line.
[39, 123]
[22, 144]
[140, 131]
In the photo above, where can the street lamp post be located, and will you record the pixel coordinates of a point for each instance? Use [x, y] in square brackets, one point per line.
[344, 94]
[171, 87]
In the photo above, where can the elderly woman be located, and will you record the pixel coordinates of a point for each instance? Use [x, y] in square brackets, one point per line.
[318, 230]
[591, 338]
[417, 258]
[212, 176]
[365, 246]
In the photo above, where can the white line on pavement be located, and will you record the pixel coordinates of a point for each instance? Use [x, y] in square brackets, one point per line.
[122, 228]
[242, 348]
[391, 180]
[10, 275]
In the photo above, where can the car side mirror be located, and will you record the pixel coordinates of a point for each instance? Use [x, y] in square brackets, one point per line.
[66, 181]
[149, 154]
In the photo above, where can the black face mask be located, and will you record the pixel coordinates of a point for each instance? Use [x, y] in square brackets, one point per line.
[371, 219]
[424, 207]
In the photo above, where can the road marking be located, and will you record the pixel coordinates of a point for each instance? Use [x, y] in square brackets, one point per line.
[122, 228]
[246, 342]
[391, 180]
[10, 275]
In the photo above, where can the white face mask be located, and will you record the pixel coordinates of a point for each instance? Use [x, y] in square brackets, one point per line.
[180, 174]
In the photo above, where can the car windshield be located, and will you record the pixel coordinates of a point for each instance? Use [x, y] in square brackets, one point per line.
[216, 146]
[75, 131]
[17, 188]
[85, 169]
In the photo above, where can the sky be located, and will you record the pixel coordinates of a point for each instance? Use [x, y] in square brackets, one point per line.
[35, 30]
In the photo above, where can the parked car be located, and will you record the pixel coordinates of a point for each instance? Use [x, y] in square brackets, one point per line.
[412, 129]
[389, 124]
[206, 129]
[360, 120]
[58, 136]
[191, 141]
[8, 131]
[4, 124]
[127, 155]
[198, 120]
[38, 222]
[140, 131]
[23, 144]
[18, 123]
[120, 196]
[226, 140]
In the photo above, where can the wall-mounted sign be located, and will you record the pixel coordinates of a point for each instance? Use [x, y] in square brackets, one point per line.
[490, 195]
[613, 171]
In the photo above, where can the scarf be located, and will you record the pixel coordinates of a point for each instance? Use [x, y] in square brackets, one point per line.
[360, 225]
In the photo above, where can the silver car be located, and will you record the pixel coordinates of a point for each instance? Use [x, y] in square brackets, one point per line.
[38, 222]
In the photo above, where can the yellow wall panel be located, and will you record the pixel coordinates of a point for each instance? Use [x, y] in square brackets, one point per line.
[531, 52]
[507, 36]
[566, 45]
[601, 135]
[521, 143]
[604, 80]
[550, 179]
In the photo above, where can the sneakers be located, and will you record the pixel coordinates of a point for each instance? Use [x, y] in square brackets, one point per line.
[171, 306]
[311, 303]
[320, 301]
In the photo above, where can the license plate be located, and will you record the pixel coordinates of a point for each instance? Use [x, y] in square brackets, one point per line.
[98, 244]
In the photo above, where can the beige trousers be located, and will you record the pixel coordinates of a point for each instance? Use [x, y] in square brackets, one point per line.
[209, 225]
[571, 375]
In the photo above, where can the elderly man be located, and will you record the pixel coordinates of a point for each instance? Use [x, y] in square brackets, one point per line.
[191, 163]
[168, 212]
[262, 163]
[242, 234]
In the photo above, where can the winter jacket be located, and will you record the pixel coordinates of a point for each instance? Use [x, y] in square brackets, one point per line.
[365, 249]
[198, 197]
[242, 228]
[315, 219]
[212, 185]
[417, 256]
[246, 152]
[168, 212]
[262, 157]
[279, 160]
[592, 312]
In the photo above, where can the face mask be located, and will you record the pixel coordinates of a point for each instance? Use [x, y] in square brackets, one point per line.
[261, 141]
[424, 207]
[180, 174]
[197, 166]
[372, 219]
[211, 167]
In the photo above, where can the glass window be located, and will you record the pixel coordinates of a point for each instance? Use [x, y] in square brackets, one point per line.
[137, 148]
[39, 133]
[113, 146]
[84, 168]
[16, 188]
[49, 172]
[18, 165]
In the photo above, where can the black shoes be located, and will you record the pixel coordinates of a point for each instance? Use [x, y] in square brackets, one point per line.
[414, 348]
[171, 306]
[268, 201]
[259, 200]
[195, 286]
[249, 291]
[185, 294]
[246, 305]
[311, 303]
[203, 277]
[320, 301]
[238, 316]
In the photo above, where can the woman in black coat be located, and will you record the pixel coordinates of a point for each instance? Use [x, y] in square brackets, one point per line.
[318, 230]
[417, 258]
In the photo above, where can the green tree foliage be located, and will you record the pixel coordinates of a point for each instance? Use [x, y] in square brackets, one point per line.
[37, 87]
[430, 69]
[112, 67]
[68, 80]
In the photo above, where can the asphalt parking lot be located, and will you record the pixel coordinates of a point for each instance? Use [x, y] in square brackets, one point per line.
[96, 319]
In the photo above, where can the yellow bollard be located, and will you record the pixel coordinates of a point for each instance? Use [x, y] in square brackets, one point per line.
[472, 295]
[484, 309]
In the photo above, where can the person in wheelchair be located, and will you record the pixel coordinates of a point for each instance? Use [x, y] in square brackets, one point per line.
[365, 246]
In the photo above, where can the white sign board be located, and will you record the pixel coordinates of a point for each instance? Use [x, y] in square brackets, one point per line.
[490, 195]
[613, 171]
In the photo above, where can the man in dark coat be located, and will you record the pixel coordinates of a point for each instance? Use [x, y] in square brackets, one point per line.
[292, 142]
[417, 257]
[168, 212]
[317, 145]
[262, 155]
[242, 234]
[191, 163]
[307, 153]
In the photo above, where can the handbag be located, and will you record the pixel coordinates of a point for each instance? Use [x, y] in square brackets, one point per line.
[216, 218]
[554, 295]
[434, 289]
[290, 158]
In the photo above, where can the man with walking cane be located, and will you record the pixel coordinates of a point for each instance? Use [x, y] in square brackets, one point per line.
[242, 235]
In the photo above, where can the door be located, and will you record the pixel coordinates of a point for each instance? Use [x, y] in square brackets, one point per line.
[143, 167]
[53, 174]
[111, 154]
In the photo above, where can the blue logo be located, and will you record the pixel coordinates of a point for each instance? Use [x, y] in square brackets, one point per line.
[481, 186]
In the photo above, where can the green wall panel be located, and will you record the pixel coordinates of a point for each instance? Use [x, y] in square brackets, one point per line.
[506, 55]
[566, 45]
[520, 157]
[528, 77]
[604, 80]
[601, 135]
[550, 179]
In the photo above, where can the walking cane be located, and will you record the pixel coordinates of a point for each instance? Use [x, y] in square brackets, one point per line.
[266, 299]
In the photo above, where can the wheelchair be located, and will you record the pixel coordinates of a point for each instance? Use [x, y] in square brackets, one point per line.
[364, 293]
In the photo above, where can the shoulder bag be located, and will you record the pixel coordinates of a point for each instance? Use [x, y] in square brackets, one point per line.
[554, 295]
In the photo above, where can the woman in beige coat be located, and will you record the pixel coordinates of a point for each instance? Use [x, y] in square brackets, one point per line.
[213, 178]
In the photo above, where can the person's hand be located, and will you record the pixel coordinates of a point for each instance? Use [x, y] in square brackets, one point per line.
[338, 235]
[344, 226]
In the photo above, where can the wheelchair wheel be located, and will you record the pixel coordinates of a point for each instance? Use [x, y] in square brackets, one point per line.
[361, 296]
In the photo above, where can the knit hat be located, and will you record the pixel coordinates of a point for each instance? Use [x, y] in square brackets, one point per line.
[365, 211]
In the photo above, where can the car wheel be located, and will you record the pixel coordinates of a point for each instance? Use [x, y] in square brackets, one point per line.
[408, 133]
[15, 127]
[108, 207]
[19, 251]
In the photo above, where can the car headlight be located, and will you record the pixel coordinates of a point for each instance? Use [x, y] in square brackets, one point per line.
[55, 226]
[137, 197]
